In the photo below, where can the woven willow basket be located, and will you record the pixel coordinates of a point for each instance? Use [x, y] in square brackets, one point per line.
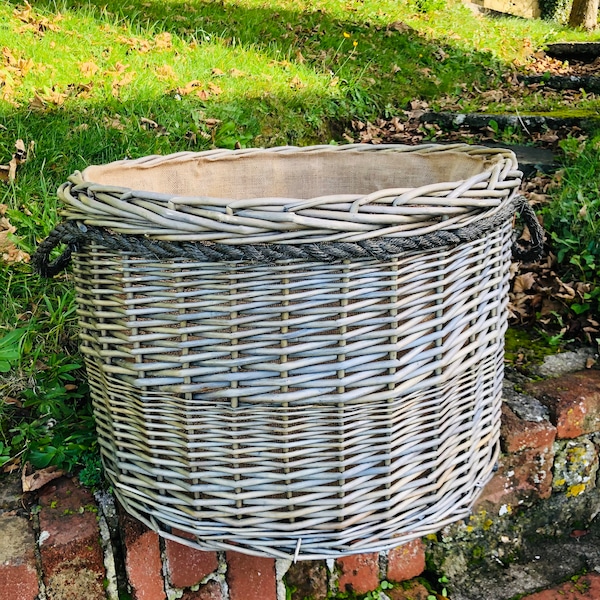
[295, 352]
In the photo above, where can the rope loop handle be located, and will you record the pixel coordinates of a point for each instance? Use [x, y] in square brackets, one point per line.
[67, 233]
[534, 249]
[73, 234]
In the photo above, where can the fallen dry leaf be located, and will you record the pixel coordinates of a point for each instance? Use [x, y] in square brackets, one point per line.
[35, 480]
[165, 72]
[14, 464]
[50, 96]
[122, 81]
[80, 90]
[189, 88]
[139, 45]
[20, 152]
[149, 123]
[9, 58]
[296, 83]
[577, 533]
[163, 41]
[37, 103]
[12, 401]
[89, 68]
[523, 283]
[8, 172]
[114, 122]
[214, 89]
[9, 253]
[400, 27]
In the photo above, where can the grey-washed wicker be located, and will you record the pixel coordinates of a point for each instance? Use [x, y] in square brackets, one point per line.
[296, 352]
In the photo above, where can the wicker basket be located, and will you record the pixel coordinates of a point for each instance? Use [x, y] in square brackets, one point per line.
[295, 352]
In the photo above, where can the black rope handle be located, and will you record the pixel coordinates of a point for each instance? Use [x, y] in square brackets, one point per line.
[534, 249]
[68, 234]
[73, 235]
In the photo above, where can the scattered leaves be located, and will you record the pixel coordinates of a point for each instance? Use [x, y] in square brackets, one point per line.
[34, 480]
[136, 44]
[35, 23]
[200, 89]
[12, 71]
[9, 253]
[121, 77]
[162, 41]
[48, 96]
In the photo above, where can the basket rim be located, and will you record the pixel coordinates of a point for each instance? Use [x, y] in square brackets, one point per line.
[389, 212]
[219, 154]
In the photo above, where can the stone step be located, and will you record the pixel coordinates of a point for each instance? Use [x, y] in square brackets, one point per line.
[584, 51]
[531, 158]
[589, 83]
[527, 123]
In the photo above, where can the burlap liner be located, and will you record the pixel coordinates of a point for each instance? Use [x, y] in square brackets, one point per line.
[300, 175]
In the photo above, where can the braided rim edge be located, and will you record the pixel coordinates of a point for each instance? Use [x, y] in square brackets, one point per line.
[75, 235]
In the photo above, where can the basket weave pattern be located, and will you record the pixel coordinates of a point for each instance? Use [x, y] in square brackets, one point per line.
[298, 408]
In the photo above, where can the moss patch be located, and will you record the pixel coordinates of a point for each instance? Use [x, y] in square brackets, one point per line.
[524, 348]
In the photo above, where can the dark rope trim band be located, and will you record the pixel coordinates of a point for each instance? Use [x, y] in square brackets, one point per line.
[75, 236]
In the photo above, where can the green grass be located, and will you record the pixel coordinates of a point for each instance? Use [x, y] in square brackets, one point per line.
[95, 81]
[572, 218]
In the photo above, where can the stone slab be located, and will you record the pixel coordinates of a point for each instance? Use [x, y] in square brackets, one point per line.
[584, 51]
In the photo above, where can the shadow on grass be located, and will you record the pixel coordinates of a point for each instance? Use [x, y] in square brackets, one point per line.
[390, 65]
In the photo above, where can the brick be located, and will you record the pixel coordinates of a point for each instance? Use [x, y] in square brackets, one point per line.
[525, 470]
[18, 573]
[143, 563]
[587, 587]
[521, 479]
[250, 577]
[518, 434]
[411, 591]
[359, 573]
[188, 566]
[573, 401]
[210, 591]
[406, 561]
[70, 549]
[307, 579]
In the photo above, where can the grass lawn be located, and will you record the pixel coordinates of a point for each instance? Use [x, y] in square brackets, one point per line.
[95, 81]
